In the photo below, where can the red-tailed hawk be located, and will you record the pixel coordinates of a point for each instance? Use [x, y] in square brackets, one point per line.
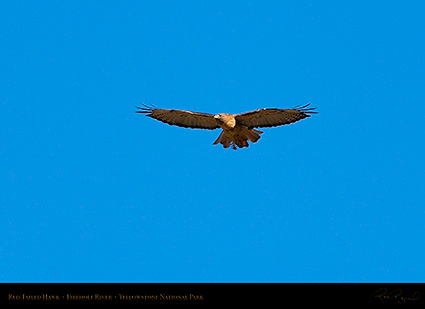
[238, 129]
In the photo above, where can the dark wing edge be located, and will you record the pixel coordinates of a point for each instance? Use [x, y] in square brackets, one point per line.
[146, 109]
[304, 109]
[283, 116]
[180, 118]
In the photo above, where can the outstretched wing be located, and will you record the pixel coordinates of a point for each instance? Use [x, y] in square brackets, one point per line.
[180, 118]
[273, 117]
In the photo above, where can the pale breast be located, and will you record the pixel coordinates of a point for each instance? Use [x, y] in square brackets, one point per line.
[229, 120]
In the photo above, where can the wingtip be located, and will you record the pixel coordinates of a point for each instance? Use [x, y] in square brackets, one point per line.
[145, 109]
[305, 109]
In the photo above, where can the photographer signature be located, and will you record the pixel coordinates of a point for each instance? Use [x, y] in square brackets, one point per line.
[391, 296]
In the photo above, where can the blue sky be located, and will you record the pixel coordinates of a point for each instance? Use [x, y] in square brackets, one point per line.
[92, 192]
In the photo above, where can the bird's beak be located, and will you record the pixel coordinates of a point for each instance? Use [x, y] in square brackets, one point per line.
[216, 116]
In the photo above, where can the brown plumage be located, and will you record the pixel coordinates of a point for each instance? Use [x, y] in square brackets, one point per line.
[238, 129]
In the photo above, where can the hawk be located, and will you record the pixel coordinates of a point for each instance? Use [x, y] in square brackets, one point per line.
[238, 129]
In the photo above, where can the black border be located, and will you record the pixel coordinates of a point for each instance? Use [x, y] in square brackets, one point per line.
[148, 294]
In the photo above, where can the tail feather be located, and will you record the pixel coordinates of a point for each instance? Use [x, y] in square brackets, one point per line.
[223, 139]
[218, 140]
[226, 141]
[253, 135]
[240, 140]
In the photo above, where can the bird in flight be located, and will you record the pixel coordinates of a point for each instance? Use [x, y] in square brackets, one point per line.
[238, 129]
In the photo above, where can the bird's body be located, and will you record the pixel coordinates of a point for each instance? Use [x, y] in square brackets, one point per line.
[233, 134]
[238, 129]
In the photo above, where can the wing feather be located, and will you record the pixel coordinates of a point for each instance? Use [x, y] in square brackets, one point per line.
[273, 117]
[181, 118]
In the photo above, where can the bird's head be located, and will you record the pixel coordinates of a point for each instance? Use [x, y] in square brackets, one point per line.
[219, 118]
